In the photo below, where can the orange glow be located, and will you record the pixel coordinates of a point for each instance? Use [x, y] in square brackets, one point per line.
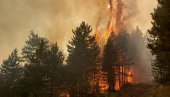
[130, 78]
[102, 82]
[117, 86]
[123, 75]
[115, 24]
[108, 6]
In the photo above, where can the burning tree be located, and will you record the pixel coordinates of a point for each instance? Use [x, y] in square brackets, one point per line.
[109, 55]
[116, 67]
[115, 23]
[117, 64]
[123, 68]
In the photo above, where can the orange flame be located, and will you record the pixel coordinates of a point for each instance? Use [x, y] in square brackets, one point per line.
[130, 78]
[114, 25]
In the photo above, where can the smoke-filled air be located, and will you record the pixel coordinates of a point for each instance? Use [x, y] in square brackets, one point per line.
[55, 19]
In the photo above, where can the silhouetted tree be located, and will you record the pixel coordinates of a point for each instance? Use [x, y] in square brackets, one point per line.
[31, 45]
[122, 41]
[82, 59]
[109, 55]
[159, 42]
[56, 70]
[121, 56]
[43, 71]
[11, 73]
[35, 72]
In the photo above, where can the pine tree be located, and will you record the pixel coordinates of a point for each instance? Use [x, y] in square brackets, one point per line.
[121, 57]
[122, 41]
[109, 61]
[159, 42]
[31, 45]
[43, 70]
[83, 52]
[55, 75]
[35, 73]
[11, 73]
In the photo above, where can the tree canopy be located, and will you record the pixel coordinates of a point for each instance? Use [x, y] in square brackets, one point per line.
[159, 42]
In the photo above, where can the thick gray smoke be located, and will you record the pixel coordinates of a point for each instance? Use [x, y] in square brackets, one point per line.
[56, 18]
[140, 56]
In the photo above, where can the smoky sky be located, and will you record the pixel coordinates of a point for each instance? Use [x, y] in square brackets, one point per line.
[55, 19]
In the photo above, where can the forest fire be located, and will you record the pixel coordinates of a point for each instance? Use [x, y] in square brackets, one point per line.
[115, 25]
[49, 48]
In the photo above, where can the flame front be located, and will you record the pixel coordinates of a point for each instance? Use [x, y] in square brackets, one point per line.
[114, 25]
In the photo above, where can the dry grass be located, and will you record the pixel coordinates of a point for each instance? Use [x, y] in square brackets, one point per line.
[158, 91]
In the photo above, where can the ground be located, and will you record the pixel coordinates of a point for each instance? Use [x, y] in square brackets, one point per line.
[144, 90]
[134, 90]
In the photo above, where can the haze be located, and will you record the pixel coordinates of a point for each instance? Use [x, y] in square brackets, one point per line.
[55, 19]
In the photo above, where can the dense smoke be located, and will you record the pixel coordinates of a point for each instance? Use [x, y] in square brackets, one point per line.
[122, 17]
[139, 56]
[56, 18]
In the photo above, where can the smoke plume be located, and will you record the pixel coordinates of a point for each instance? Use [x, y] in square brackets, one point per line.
[56, 18]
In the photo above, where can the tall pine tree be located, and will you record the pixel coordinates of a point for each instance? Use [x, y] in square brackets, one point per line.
[109, 55]
[31, 45]
[55, 71]
[82, 59]
[159, 42]
[35, 72]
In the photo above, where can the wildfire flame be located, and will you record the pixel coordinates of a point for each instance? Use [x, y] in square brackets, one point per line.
[114, 25]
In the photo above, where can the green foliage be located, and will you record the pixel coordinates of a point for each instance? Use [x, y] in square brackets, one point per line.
[83, 52]
[43, 71]
[159, 42]
[31, 46]
[11, 73]
[44, 74]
